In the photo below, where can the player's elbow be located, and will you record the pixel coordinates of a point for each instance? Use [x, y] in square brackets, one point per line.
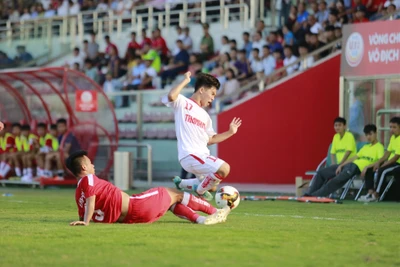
[172, 97]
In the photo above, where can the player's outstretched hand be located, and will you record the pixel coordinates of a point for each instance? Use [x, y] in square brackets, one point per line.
[235, 124]
[76, 223]
[1, 126]
[187, 76]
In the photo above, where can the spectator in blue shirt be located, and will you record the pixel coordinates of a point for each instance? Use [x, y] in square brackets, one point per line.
[274, 45]
[303, 14]
[179, 65]
[288, 36]
[248, 45]
[23, 56]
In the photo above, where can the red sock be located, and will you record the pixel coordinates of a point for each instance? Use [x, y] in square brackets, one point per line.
[197, 204]
[184, 212]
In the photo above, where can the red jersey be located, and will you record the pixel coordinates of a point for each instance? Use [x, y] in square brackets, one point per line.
[134, 45]
[109, 47]
[160, 43]
[361, 21]
[146, 40]
[107, 208]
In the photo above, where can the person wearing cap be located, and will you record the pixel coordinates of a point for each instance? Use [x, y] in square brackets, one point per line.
[360, 15]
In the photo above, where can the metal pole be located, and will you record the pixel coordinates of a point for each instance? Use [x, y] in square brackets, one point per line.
[139, 24]
[95, 16]
[150, 19]
[110, 22]
[226, 17]
[341, 96]
[119, 27]
[222, 13]
[167, 16]
[133, 20]
[100, 29]
[80, 27]
[203, 11]
[160, 21]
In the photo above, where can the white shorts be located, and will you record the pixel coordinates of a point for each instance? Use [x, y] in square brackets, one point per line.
[201, 165]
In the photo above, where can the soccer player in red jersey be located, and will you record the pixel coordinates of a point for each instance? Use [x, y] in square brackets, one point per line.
[101, 201]
[194, 131]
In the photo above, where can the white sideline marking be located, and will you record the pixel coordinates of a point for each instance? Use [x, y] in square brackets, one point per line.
[293, 216]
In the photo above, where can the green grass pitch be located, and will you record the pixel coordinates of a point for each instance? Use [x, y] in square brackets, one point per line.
[34, 231]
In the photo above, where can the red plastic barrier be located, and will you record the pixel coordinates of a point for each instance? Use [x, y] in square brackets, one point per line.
[286, 130]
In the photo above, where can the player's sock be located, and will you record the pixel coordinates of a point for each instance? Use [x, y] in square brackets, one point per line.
[39, 172]
[18, 171]
[197, 204]
[6, 170]
[211, 180]
[25, 171]
[187, 184]
[60, 173]
[47, 173]
[186, 213]
[2, 165]
[29, 172]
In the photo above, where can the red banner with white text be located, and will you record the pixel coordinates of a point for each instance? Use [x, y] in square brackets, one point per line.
[371, 49]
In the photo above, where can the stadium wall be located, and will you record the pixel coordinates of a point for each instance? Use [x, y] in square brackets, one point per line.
[286, 130]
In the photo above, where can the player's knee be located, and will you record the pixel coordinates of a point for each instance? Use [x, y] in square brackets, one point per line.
[224, 170]
[213, 189]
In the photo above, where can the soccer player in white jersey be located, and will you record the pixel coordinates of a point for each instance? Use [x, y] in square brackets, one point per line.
[194, 132]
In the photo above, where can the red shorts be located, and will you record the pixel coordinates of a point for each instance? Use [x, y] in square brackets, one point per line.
[149, 206]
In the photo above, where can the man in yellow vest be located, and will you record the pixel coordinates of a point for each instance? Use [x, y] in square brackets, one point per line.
[47, 143]
[28, 142]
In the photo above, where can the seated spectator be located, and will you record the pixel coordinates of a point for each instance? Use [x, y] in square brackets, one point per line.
[342, 12]
[145, 39]
[160, 46]
[360, 15]
[26, 15]
[131, 59]
[268, 61]
[102, 6]
[257, 64]
[48, 142]
[230, 89]
[114, 63]
[233, 55]
[76, 67]
[225, 46]
[74, 8]
[242, 65]
[63, 8]
[5, 61]
[187, 40]
[273, 42]
[323, 13]
[315, 44]
[179, 65]
[232, 44]
[151, 53]
[22, 55]
[195, 64]
[29, 143]
[278, 65]
[112, 85]
[247, 44]
[132, 44]
[206, 44]
[362, 163]
[110, 45]
[70, 145]
[307, 61]
[288, 35]
[289, 60]
[333, 18]
[315, 26]
[147, 76]
[302, 13]
[292, 18]
[258, 43]
[91, 71]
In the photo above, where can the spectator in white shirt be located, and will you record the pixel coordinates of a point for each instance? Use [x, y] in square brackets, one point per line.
[77, 57]
[289, 59]
[306, 61]
[46, 4]
[147, 76]
[225, 47]
[230, 89]
[323, 12]
[101, 6]
[63, 9]
[74, 8]
[26, 15]
[187, 41]
[256, 63]
[315, 27]
[268, 61]
[258, 43]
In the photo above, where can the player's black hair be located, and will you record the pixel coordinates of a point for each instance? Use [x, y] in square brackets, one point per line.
[369, 128]
[25, 127]
[62, 120]
[395, 120]
[206, 80]
[41, 125]
[340, 120]
[74, 161]
[255, 50]
[247, 34]
[16, 124]
[53, 127]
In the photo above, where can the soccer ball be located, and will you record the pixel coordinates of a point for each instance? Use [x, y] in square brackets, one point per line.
[227, 196]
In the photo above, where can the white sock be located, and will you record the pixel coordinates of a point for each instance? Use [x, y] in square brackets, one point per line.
[188, 183]
[39, 172]
[29, 171]
[47, 173]
[18, 171]
[6, 169]
[25, 172]
[60, 173]
[209, 182]
[200, 220]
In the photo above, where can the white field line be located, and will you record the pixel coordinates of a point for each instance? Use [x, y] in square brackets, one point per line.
[292, 216]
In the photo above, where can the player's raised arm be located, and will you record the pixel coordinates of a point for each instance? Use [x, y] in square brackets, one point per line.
[233, 128]
[174, 93]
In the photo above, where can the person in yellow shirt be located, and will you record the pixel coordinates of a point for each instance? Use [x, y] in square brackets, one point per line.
[343, 147]
[362, 163]
[388, 164]
[48, 142]
[29, 142]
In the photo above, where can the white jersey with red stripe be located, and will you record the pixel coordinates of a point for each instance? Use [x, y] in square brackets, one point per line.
[193, 126]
